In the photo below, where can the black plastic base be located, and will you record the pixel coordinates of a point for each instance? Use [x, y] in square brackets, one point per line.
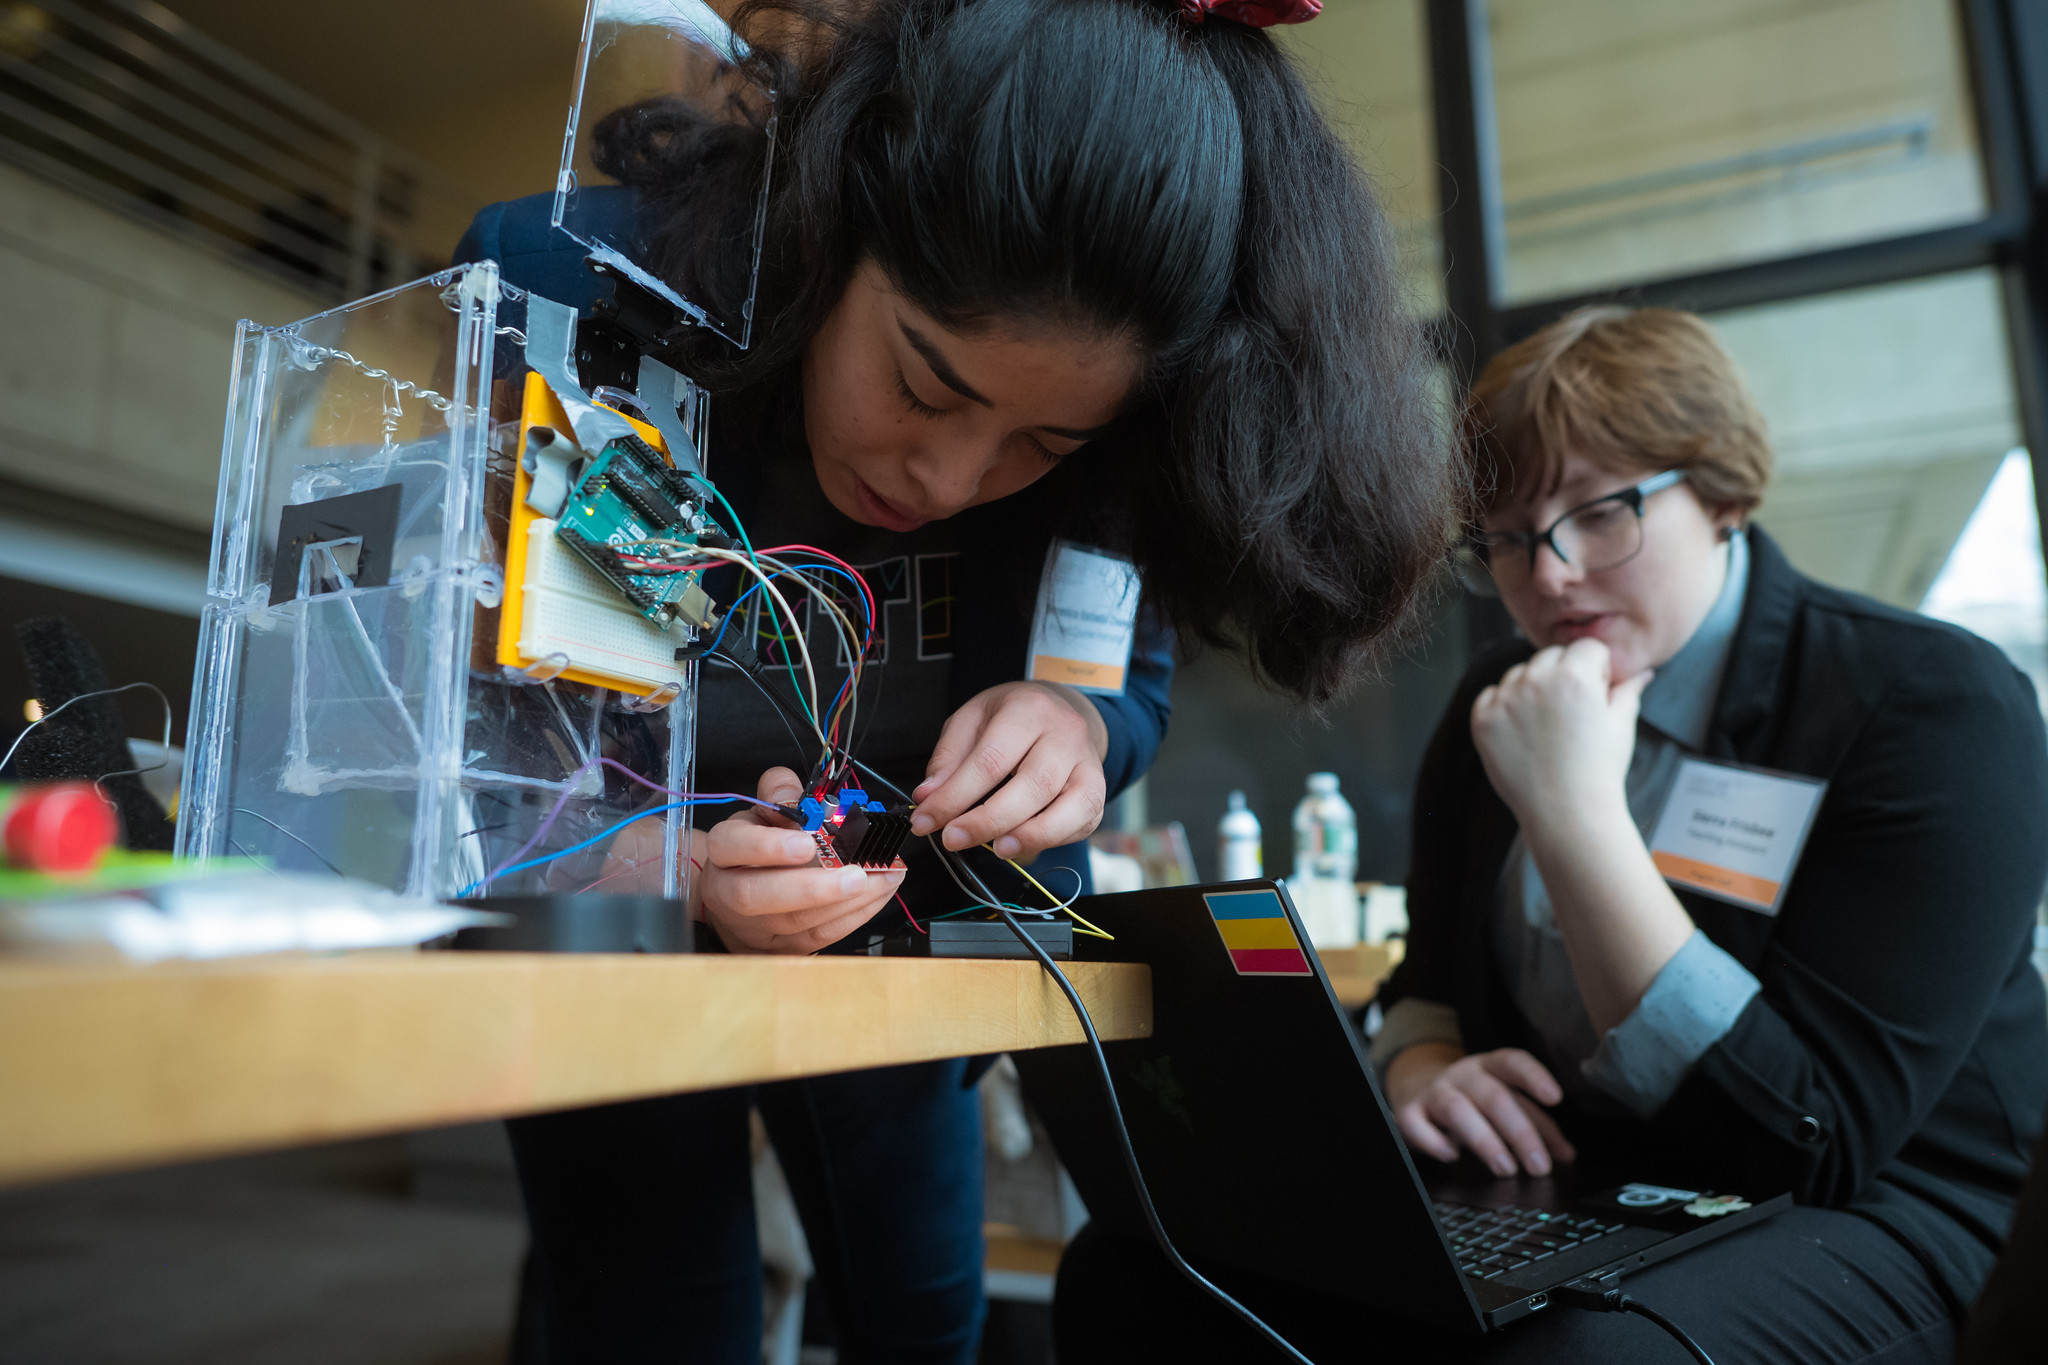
[983, 938]
[581, 924]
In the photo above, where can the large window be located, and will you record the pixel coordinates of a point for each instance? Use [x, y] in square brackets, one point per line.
[1890, 410]
[1368, 63]
[1993, 583]
[1846, 189]
[1647, 138]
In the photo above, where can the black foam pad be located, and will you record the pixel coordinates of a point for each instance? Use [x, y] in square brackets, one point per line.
[88, 740]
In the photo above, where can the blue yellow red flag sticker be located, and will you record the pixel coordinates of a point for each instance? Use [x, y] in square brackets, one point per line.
[1256, 933]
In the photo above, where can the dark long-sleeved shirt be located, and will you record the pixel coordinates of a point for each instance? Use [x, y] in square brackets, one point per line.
[1894, 1061]
[956, 596]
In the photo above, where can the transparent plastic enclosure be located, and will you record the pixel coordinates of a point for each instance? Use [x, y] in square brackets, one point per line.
[674, 64]
[350, 713]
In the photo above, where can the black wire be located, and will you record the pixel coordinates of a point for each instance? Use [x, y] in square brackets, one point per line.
[781, 708]
[1130, 1156]
[789, 719]
[1626, 1304]
[1116, 1112]
[244, 810]
[878, 777]
[1123, 1142]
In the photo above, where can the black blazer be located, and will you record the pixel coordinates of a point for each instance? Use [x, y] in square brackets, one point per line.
[1895, 1062]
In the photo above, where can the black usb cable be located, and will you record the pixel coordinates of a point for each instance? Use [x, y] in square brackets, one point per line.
[1116, 1113]
[1604, 1296]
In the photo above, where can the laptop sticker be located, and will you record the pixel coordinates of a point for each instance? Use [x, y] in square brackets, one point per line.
[1256, 934]
[1635, 1195]
[1717, 1205]
[1735, 833]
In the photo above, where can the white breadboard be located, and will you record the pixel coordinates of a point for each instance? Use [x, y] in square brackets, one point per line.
[571, 609]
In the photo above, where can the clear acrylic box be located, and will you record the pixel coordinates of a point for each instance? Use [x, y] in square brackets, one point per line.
[350, 713]
[355, 707]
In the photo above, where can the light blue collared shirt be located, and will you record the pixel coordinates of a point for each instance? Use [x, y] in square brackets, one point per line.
[1697, 996]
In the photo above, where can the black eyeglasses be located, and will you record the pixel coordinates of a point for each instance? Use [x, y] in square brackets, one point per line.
[1605, 533]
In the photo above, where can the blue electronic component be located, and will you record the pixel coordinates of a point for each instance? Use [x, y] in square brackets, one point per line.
[814, 813]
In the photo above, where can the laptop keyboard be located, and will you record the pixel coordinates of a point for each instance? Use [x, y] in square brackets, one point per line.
[1490, 1242]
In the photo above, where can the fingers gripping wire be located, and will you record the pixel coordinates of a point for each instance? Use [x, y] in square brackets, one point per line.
[979, 893]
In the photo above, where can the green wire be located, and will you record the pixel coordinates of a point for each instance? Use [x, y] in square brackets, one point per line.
[788, 658]
[735, 521]
[974, 909]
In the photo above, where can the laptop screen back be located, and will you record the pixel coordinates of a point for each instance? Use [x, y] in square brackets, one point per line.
[1263, 1140]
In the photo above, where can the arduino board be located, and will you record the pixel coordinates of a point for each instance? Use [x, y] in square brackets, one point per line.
[629, 496]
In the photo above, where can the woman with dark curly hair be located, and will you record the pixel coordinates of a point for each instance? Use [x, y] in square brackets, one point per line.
[1091, 269]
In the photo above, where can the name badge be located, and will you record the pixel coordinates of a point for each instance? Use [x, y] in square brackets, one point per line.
[1735, 833]
[1086, 619]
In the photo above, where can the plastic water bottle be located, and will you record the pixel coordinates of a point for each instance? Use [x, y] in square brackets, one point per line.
[1239, 855]
[1325, 880]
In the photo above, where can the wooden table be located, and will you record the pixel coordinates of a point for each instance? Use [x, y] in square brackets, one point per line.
[1356, 973]
[110, 1067]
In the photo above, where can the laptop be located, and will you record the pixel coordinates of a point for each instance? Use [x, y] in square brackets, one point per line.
[1268, 1147]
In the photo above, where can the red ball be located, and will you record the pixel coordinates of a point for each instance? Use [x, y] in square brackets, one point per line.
[61, 827]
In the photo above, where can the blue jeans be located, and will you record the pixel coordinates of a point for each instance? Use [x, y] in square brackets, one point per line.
[643, 1220]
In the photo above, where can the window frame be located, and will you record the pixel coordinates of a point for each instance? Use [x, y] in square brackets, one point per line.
[2006, 48]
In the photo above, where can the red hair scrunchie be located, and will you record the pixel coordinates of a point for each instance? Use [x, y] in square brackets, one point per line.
[1252, 13]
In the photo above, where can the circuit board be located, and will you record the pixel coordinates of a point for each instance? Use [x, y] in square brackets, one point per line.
[828, 855]
[626, 497]
[852, 831]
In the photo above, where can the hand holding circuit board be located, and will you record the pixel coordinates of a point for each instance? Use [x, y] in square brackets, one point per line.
[765, 888]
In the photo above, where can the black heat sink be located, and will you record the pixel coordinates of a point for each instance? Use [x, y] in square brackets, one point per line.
[870, 838]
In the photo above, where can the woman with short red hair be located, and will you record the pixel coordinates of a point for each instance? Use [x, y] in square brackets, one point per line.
[1874, 1039]
[1869, 1035]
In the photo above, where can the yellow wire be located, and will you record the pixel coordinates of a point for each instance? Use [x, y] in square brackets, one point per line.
[1086, 927]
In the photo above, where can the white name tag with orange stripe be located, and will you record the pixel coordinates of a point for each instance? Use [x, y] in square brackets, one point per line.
[1735, 833]
[1086, 619]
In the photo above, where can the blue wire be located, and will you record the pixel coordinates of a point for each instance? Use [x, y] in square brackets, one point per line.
[599, 837]
[731, 612]
[740, 601]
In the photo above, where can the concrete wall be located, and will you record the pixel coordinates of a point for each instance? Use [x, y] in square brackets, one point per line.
[115, 341]
[1890, 410]
[1592, 93]
[1368, 63]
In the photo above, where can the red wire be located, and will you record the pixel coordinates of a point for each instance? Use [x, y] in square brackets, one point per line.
[854, 573]
[629, 867]
[907, 915]
[867, 593]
